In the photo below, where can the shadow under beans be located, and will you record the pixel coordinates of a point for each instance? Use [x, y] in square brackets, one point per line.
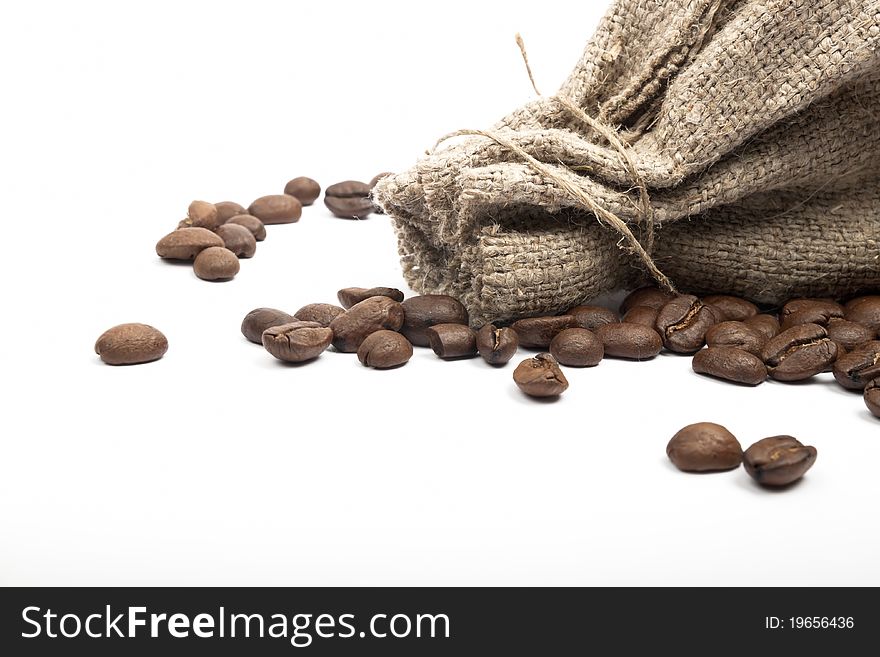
[747, 483]
[523, 398]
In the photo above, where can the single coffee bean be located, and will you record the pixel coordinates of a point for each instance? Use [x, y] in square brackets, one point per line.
[862, 364]
[305, 190]
[817, 314]
[540, 376]
[131, 344]
[323, 313]
[202, 214]
[848, 335]
[644, 315]
[731, 308]
[349, 200]
[276, 209]
[384, 349]
[226, 210]
[186, 243]
[865, 311]
[704, 447]
[259, 319]
[297, 342]
[577, 347]
[538, 332]
[372, 184]
[497, 345]
[683, 322]
[828, 307]
[736, 334]
[632, 341]
[368, 316]
[872, 397]
[799, 353]
[591, 317]
[650, 296]
[257, 228]
[348, 296]
[452, 340]
[423, 312]
[216, 263]
[766, 325]
[778, 460]
[730, 364]
[238, 239]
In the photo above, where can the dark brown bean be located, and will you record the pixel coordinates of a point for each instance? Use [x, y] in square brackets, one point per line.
[683, 322]
[452, 340]
[305, 190]
[422, 312]
[730, 364]
[848, 335]
[349, 296]
[736, 334]
[216, 263]
[186, 243]
[766, 325]
[865, 311]
[276, 209]
[538, 332]
[364, 318]
[238, 239]
[778, 460]
[384, 349]
[131, 344]
[577, 347]
[257, 228]
[297, 341]
[704, 447]
[855, 369]
[497, 345]
[226, 210]
[733, 309]
[323, 313]
[817, 314]
[540, 376]
[799, 353]
[826, 307]
[202, 214]
[632, 341]
[349, 200]
[872, 397]
[650, 296]
[591, 317]
[259, 319]
[644, 315]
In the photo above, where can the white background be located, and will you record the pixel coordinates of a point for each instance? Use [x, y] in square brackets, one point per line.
[219, 465]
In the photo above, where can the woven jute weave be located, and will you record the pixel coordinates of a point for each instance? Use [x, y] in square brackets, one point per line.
[746, 134]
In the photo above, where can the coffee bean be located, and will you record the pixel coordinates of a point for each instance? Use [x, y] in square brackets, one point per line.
[424, 311]
[632, 341]
[704, 447]
[799, 353]
[591, 317]
[258, 230]
[368, 316]
[862, 364]
[297, 341]
[577, 347]
[865, 311]
[202, 214]
[683, 322]
[452, 340]
[730, 364]
[384, 349]
[238, 239]
[226, 210]
[186, 243]
[259, 319]
[538, 332]
[650, 296]
[766, 325]
[827, 307]
[276, 209]
[644, 315]
[497, 345]
[305, 190]
[778, 460]
[372, 184]
[540, 376]
[847, 334]
[731, 308]
[349, 296]
[349, 200]
[872, 397]
[736, 334]
[216, 263]
[323, 313]
[131, 344]
[816, 314]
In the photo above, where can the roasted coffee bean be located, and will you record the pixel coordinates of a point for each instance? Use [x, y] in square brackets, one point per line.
[305, 190]
[731, 308]
[297, 342]
[349, 296]
[368, 316]
[650, 296]
[323, 313]
[827, 307]
[872, 397]
[816, 314]
[865, 311]
[632, 341]
[452, 340]
[730, 364]
[862, 364]
[540, 376]
[704, 447]
[384, 349]
[778, 460]
[131, 344]
[736, 334]
[497, 345]
[216, 263]
[372, 184]
[202, 214]
[538, 332]
[238, 239]
[349, 200]
[591, 317]
[644, 315]
[258, 230]
[259, 319]
[422, 312]
[276, 209]
[766, 325]
[186, 243]
[577, 347]
[799, 353]
[848, 335]
[226, 210]
[683, 322]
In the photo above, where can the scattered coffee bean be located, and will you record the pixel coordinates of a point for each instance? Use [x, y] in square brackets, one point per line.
[538, 332]
[650, 296]
[819, 314]
[799, 353]
[644, 315]
[540, 376]
[736, 334]
[323, 313]
[349, 296]
[258, 230]
[305, 190]
[259, 319]
[683, 322]
[591, 317]
[384, 349]
[238, 239]
[226, 210]
[865, 311]
[202, 214]
[730, 364]
[778, 460]
[349, 200]
[731, 308]
[825, 307]
[855, 369]
[872, 397]
[131, 344]
[704, 447]
[848, 335]
[276, 209]
[766, 325]
[577, 347]
[186, 243]
[424, 311]
[297, 342]
[452, 340]
[216, 263]
[497, 345]
[368, 316]
[632, 341]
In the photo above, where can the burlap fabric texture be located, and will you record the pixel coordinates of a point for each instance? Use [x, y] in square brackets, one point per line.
[752, 129]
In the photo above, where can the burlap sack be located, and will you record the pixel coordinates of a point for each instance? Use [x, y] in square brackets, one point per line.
[752, 130]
